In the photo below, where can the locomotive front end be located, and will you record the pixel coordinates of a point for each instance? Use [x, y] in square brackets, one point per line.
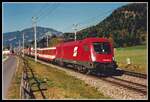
[102, 56]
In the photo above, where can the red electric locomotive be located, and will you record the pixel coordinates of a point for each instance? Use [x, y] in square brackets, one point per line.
[92, 54]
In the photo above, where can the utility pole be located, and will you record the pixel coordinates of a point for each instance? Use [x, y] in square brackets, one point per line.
[75, 31]
[47, 40]
[10, 47]
[19, 44]
[23, 44]
[34, 25]
[19, 47]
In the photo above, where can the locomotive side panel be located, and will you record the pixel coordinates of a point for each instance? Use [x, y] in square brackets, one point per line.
[70, 51]
[84, 52]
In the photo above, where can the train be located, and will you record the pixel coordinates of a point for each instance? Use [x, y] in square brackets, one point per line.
[87, 55]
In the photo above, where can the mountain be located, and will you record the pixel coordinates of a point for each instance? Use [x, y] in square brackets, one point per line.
[14, 37]
[127, 25]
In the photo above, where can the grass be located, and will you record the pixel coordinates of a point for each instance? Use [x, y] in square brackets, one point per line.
[138, 56]
[59, 84]
[63, 86]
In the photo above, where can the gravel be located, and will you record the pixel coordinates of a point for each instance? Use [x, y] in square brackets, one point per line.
[108, 89]
[133, 79]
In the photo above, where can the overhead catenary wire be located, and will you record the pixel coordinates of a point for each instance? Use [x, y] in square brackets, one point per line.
[43, 16]
[40, 11]
[45, 11]
[95, 17]
[90, 20]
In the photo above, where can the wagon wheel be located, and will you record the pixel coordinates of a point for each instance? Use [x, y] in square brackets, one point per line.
[88, 71]
[61, 63]
[84, 69]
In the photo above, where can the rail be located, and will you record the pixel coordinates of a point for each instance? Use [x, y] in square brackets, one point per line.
[110, 77]
[140, 75]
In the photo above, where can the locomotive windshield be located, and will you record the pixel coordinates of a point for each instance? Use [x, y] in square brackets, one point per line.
[102, 47]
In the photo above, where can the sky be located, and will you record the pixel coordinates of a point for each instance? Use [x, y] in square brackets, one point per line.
[59, 16]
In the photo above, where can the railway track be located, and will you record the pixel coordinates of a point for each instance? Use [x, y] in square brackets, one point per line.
[117, 81]
[127, 84]
[131, 85]
[144, 76]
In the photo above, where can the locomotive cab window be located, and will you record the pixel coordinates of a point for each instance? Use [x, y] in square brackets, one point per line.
[102, 47]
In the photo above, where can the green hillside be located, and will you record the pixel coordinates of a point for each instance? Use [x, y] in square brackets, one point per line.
[127, 26]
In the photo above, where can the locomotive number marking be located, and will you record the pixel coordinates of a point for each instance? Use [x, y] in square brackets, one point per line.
[75, 51]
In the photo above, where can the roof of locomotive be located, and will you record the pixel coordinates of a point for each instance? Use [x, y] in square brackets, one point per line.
[94, 39]
[86, 40]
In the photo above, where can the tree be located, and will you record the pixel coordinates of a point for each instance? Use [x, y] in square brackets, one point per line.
[110, 38]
